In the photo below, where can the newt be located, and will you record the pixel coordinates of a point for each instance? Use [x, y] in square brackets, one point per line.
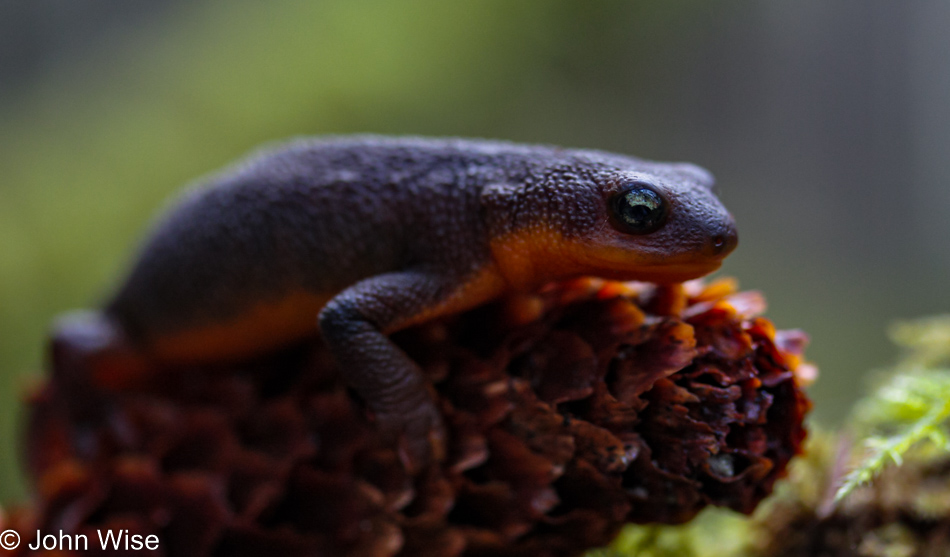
[358, 237]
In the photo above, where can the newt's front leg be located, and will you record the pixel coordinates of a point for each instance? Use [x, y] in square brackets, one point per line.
[355, 324]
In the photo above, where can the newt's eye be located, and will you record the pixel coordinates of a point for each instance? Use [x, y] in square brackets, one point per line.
[638, 209]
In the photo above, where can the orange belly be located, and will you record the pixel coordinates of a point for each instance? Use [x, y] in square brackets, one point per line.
[274, 324]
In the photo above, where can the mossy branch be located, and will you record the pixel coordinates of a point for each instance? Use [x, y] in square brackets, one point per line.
[918, 406]
[912, 410]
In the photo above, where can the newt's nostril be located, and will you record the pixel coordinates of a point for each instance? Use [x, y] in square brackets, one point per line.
[725, 241]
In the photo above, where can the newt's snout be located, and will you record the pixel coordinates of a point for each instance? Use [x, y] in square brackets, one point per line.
[723, 239]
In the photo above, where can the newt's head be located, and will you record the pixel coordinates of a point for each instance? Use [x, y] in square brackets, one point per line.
[636, 221]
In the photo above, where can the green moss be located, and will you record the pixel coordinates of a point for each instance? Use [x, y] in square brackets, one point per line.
[714, 533]
[909, 414]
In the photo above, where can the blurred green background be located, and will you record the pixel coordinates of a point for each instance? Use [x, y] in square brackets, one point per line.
[827, 124]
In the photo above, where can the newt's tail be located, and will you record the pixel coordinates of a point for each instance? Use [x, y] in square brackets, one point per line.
[95, 345]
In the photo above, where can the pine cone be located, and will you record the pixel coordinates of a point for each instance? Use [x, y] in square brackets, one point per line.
[569, 413]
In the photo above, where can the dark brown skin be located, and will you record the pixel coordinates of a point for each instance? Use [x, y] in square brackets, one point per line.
[363, 236]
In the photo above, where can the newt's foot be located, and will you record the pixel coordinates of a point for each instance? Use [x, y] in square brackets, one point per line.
[419, 434]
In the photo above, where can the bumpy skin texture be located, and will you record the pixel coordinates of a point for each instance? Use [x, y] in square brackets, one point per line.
[374, 234]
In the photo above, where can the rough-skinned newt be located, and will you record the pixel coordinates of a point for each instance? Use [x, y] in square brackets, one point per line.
[363, 236]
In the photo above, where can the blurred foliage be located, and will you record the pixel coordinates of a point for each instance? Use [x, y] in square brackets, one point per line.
[924, 343]
[714, 533]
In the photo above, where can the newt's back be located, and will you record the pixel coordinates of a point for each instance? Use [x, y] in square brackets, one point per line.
[264, 245]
